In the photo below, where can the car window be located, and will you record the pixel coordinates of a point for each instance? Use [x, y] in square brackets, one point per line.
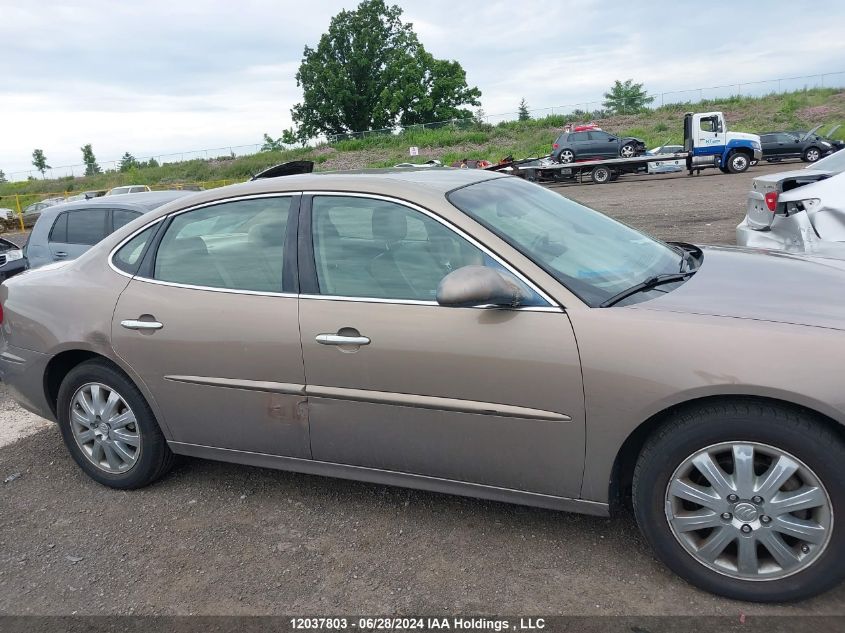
[59, 231]
[234, 245]
[593, 255]
[128, 257]
[768, 138]
[86, 226]
[599, 136]
[137, 189]
[369, 248]
[578, 136]
[121, 217]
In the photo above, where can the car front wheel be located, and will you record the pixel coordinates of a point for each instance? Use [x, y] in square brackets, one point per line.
[740, 498]
[109, 428]
[628, 150]
[812, 155]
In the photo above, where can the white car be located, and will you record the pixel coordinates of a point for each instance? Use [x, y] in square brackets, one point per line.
[6, 214]
[670, 165]
[128, 189]
[799, 211]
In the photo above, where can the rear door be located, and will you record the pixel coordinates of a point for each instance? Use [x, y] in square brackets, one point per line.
[77, 230]
[210, 324]
[580, 144]
[788, 145]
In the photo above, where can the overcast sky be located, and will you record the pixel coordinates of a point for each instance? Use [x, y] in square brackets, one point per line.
[157, 76]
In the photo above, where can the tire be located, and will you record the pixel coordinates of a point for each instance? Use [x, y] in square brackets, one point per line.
[724, 170]
[738, 162]
[811, 155]
[750, 522]
[614, 176]
[566, 156]
[133, 453]
[600, 175]
[628, 150]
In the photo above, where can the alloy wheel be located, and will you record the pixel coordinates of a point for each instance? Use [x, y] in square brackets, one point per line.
[566, 156]
[627, 151]
[812, 155]
[749, 511]
[105, 428]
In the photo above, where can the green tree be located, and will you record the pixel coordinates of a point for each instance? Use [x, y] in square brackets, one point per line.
[91, 166]
[39, 161]
[523, 113]
[128, 162]
[369, 71]
[2, 177]
[271, 144]
[626, 98]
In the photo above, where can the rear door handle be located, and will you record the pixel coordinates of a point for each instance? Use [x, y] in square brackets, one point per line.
[60, 254]
[134, 324]
[337, 339]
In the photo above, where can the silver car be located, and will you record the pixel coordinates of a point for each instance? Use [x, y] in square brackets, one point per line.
[465, 332]
[800, 211]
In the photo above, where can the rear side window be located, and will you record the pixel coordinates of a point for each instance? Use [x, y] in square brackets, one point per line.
[86, 226]
[235, 245]
[59, 231]
[121, 217]
[128, 258]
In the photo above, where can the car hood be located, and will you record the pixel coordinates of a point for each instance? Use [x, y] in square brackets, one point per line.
[626, 139]
[743, 136]
[761, 285]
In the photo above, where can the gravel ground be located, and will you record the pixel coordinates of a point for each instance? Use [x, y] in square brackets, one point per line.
[216, 538]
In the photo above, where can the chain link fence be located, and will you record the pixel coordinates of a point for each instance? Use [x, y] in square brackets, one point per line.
[588, 109]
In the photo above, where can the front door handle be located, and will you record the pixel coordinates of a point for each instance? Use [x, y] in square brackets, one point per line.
[60, 255]
[134, 324]
[338, 339]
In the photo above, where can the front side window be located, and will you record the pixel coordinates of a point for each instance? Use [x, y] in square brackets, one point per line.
[593, 255]
[86, 226]
[235, 245]
[578, 137]
[599, 136]
[370, 248]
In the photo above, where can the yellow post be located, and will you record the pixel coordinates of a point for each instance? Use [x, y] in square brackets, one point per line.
[20, 213]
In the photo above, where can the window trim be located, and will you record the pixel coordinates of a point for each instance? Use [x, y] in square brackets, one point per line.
[165, 220]
[309, 286]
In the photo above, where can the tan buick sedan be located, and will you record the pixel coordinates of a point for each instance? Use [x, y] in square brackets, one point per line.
[463, 332]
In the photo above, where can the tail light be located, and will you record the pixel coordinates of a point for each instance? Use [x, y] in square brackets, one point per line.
[555, 145]
[771, 200]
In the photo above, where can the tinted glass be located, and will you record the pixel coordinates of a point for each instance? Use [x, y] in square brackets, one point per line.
[236, 245]
[595, 256]
[59, 231]
[578, 136]
[768, 138]
[86, 226]
[378, 249]
[121, 217]
[129, 256]
[599, 136]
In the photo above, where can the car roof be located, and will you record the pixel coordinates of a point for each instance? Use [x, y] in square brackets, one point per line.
[142, 202]
[418, 185]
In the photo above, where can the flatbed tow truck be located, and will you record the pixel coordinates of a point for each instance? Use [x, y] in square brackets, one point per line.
[707, 143]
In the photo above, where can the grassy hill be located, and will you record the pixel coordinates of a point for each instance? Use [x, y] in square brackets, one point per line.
[794, 110]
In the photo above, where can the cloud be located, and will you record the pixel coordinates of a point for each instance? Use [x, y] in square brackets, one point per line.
[162, 77]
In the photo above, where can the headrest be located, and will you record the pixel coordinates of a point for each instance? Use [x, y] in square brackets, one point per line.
[267, 234]
[389, 225]
[193, 245]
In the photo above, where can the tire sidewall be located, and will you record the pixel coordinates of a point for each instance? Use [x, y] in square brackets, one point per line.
[151, 437]
[649, 501]
[809, 151]
[731, 160]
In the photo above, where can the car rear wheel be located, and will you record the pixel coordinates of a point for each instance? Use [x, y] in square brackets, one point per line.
[109, 428]
[566, 156]
[739, 499]
[811, 155]
[738, 162]
[601, 175]
[628, 150]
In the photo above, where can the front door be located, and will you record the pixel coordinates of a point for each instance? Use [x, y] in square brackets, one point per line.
[211, 327]
[399, 383]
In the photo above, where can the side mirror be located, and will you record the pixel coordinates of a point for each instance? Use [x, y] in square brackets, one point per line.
[612, 138]
[477, 286]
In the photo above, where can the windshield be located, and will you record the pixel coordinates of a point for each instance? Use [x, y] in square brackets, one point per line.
[593, 255]
[834, 162]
